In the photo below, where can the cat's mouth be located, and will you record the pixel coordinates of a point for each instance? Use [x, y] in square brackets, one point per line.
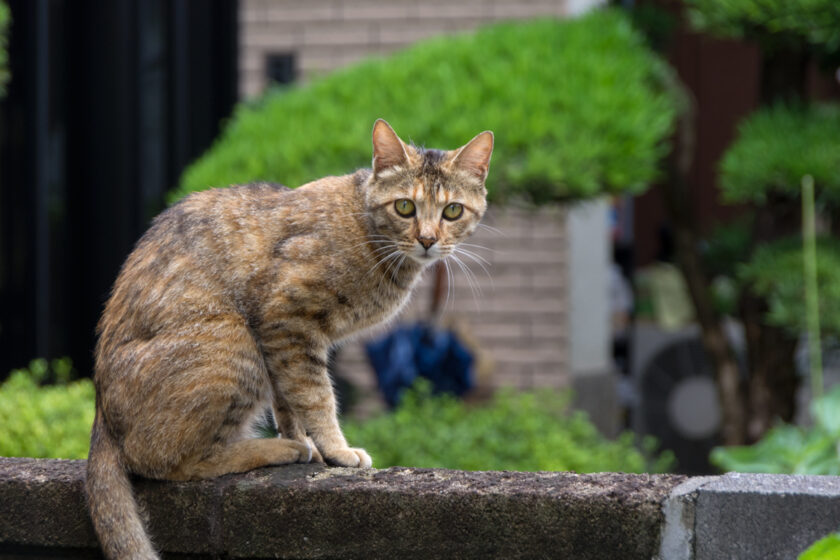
[423, 255]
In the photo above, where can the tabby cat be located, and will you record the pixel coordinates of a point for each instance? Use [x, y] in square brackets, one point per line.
[225, 311]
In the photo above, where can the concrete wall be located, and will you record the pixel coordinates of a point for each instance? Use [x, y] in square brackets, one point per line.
[328, 34]
[308, 511]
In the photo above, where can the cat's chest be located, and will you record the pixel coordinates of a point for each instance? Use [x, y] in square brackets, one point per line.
[364, 309]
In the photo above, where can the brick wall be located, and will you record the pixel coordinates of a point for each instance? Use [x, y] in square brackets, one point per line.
[328, 34]
[518, 320]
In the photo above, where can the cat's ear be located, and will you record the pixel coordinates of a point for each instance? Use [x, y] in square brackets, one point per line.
[474, 157]
[388, 149]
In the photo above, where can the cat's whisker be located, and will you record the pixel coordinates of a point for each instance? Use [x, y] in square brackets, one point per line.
[384, 258]
[473, 245]
[476, 290]
[478, 261]
[475, 256]
[370, 242]
[383, 249]
[449, 282]
[399, 265]
[492, 229]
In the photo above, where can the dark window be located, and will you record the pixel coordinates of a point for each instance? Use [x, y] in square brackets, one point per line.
[280, 68]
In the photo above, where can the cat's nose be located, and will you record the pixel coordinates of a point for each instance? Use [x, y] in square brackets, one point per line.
[427, 242]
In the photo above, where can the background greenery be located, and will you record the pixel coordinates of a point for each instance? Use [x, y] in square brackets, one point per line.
[827, 548]
[577, 106]
[776, 146]
[792, 449]
[774, 272]
[52, 420]
[527, 431]
[803, 22]
[514, 431]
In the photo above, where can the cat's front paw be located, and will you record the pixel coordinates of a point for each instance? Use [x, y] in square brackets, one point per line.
[316, 455]
[349, 457]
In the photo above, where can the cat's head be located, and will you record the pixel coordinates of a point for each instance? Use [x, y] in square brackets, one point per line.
[426, 201]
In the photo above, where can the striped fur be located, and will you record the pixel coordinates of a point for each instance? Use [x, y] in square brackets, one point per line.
[229, 304]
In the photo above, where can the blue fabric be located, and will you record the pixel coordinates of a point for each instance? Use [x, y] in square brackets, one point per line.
[420, 350]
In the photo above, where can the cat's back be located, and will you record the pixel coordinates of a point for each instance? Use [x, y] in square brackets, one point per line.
[181, 265]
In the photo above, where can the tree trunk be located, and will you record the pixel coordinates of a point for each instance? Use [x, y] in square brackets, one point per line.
[770, 350]
[729, 383]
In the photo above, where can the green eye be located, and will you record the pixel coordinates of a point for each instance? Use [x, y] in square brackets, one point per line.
[453, 211]
[404, 207]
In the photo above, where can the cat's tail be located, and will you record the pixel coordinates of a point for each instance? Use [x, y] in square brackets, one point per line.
[113, 509]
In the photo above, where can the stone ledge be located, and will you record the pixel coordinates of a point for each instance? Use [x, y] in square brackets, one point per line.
[308, 511]
[741, 515]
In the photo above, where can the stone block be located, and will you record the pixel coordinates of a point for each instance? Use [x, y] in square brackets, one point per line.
[764, 516]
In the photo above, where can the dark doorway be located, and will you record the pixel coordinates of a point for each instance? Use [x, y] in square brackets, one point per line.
[108, 102]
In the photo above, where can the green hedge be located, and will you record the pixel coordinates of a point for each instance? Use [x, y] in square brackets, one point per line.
[776, 146]
[515, 431]
[577, 107]
[45, 420]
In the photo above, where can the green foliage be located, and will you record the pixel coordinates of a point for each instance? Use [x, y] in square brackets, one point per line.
[45, 420]
[827, 548]
[522, 431]
[791, 449]
[775, 273]
[772, 21]
[5, 21]
[516, 431]
[578, 108]
[776, 147]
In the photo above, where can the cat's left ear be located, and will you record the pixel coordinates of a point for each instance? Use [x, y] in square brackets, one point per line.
[388, 149]
[474, 157]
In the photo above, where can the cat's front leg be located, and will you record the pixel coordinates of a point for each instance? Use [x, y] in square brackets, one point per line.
[299, 373]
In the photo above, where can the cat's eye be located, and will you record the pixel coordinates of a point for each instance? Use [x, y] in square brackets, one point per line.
[405, 207]
[453, 211]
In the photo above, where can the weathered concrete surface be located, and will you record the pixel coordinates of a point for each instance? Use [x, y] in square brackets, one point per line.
[307, 511]
[763, 516]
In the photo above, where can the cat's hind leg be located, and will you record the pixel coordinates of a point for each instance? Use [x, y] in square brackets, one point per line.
[243, 456]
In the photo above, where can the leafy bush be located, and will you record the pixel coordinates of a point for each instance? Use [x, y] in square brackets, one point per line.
[45, 420]
[776, 147]
[577, 107]
[791, 449]
[516, 431]
[775, 273]
[809, 21]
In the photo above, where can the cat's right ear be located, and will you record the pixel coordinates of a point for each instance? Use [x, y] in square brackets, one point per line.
[388, 150]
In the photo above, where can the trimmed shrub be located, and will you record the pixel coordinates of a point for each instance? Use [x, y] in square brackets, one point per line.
[774, 272]
[45, 420]
[776, 147]
[578, 108]
[812, 22]
[515, 431]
